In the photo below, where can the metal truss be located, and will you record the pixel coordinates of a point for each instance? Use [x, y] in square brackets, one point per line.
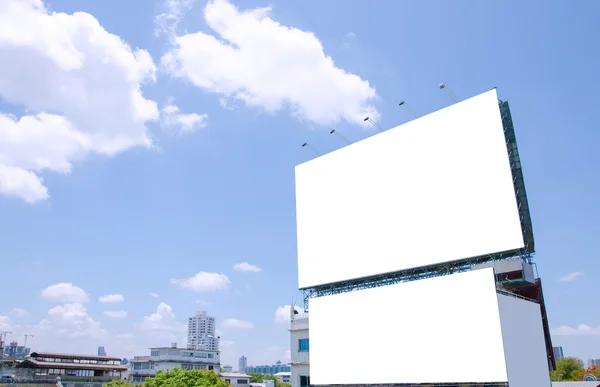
[526, 253]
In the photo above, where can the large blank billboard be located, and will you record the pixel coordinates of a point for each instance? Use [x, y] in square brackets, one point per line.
[439, 330]
[434, 190]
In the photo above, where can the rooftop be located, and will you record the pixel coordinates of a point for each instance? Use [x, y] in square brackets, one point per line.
[234, 375]
[87, 366]
[72, 356]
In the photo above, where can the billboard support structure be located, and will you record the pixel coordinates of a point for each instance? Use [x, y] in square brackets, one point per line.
[525, 253]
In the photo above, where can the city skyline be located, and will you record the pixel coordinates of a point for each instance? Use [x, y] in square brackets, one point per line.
[142, 180]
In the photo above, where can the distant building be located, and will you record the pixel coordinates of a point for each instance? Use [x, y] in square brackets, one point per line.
[228, 368]
[558, 353]
[15, 350]
[201, 332]
[594, 362]
[299, 349]
[236, 379]
[167, 358]
[283, 377]
[101, 351]
[71, 368]
[242, 364]
[269, 369]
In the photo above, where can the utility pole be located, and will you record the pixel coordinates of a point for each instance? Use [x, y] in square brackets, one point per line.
[26, 336]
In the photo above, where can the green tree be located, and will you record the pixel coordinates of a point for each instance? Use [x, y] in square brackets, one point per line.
[567, 369]
[118, 383]
[255, 377]
[180, 378]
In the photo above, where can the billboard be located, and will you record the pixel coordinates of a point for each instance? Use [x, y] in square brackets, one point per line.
[450, 329]
[434, 190]
[438, 330]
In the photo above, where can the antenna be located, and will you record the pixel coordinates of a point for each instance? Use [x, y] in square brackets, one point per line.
[307, 145]
[367, 119]
[340, 136]
[402, 103]
[450, 93]
[26, 336]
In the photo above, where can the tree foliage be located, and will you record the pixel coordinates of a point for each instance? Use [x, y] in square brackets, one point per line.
[118, 383]
[180, 378]
[568, 369]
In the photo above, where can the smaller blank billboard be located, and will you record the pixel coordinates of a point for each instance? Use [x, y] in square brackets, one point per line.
[438, 330]
[434, 190]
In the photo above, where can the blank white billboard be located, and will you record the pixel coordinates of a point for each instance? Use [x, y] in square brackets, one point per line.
[524, 343]
[434, 190]
[439, 330]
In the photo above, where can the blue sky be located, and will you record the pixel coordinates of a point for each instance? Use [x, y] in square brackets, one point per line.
[196, 174]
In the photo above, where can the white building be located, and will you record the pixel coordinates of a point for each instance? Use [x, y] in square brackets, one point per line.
[236, 379]
[300, 364]
[201, 332]
[242, 364]
[167, 358]
[283, 377]
[228, 368]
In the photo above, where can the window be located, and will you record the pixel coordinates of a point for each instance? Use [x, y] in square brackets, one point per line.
[242, 381]
[228, 381]
[303, 345]
[304, 380]
[153, 353]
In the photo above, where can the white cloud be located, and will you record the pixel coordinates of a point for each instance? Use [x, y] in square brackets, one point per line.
[80, 88]
[115, 313]
[5, 323]
[19, 312]
[256, 60]
[167, 21]
[71, 321]
[245, 266]
[235, 323]
[171, 116]
[282, 314]
[581, 330]
[111, 298]
[348, 39]
[153, 295]
[65, 293]
[162, 321]
[204, 282]
[570, 277]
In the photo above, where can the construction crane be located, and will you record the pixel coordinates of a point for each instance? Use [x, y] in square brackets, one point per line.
[4, 333]
[26, 336]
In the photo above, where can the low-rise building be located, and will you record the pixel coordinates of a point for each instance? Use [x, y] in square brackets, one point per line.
[71, 368]
[299, 349]
[228, 369]
[236, 379]
[283, 377]
[167, 358]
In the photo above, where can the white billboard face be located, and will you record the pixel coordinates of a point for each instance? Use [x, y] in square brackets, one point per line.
[524, 344]
[439, 330]
[434, 190]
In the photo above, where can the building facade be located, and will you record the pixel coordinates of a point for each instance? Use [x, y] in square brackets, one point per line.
[201, 332]
[167, 358]
[268, 369]
[15, 350]
[42, 366]
[101, 351]
[283, 377]
[299, 348]
[558, 353]
[242, 364]
[236, 379]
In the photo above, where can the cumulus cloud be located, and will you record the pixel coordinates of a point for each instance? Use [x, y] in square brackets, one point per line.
[250, 57]
[111, 298]
[282, 314]
[72, 321]
[172, 117]
[571, 276]
[19, 312]
[115, 313]
[163, 320]
[65, 292]
[80, 87]
[204, 282]
[235, 323]
[245, 266]
[580, 330]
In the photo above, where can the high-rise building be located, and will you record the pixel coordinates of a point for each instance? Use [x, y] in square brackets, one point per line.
[558, 353]
[101, 351]
[201, 332]
[242, 364]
